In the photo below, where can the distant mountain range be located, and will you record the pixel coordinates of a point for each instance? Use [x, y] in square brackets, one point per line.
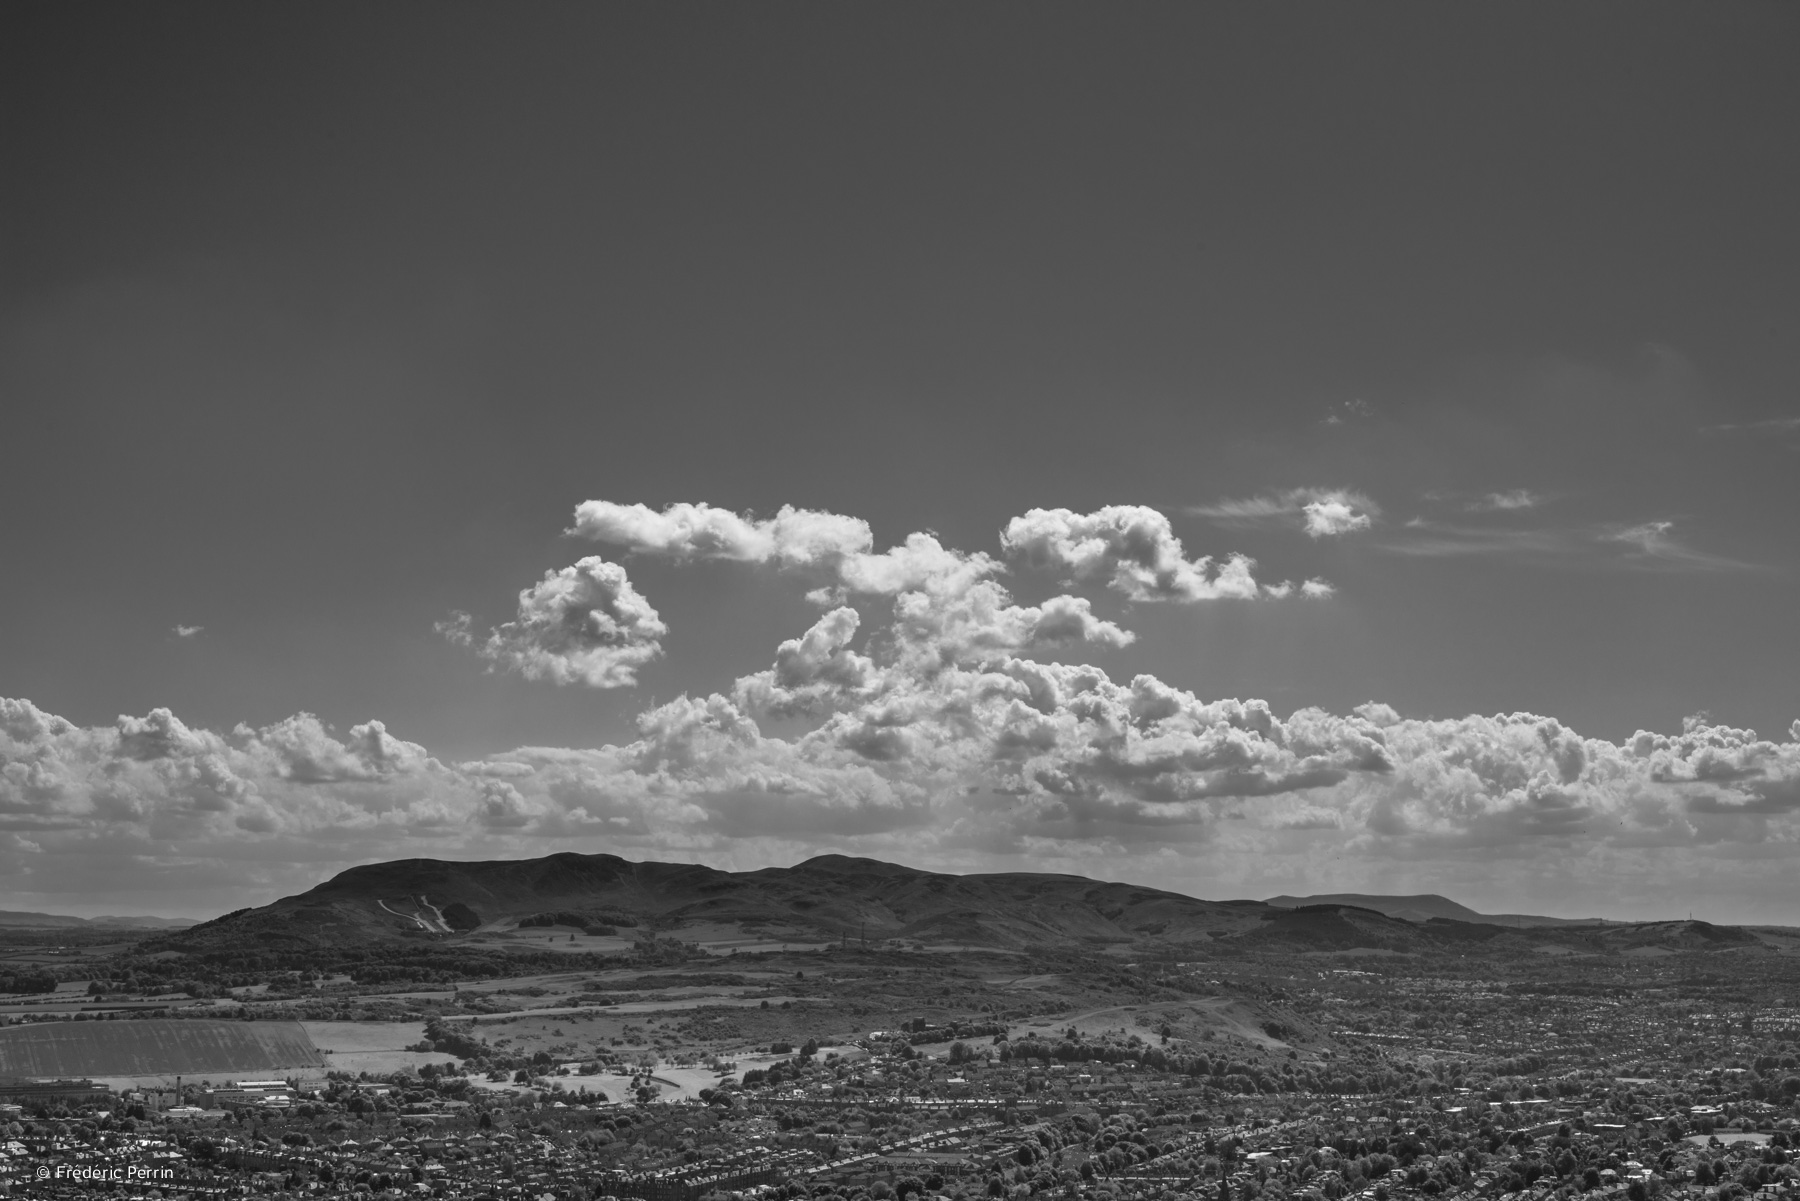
[1425, 906]
[834, 898]
[51, 921]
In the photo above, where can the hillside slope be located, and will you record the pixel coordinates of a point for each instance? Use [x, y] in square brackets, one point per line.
[834, 897]
[1423, 907]
[831, 896]
[12, 918]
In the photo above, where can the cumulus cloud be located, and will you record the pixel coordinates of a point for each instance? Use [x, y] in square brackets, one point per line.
[1331, 518]
[1130, 548]
[921, 563]
[700, 531]
[1314, 589]
[937, 737]
[154, 779]
[793, 538]
[932, 723]
[585, 624]
[955, 763]
[1319, 512]
[181, 631]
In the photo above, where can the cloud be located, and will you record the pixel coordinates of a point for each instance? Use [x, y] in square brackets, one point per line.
[700, 531]
[1315, 589]
[181, 631]
[1349, 411]
[1651, 538]
[1507, 502]
[1654, 545]
[1771, 425]
[1320, 512]
[1433, 539]
[935, 734]
[1647, 545]
[1131, 548]
[931, 722]
[793, 538]
[939, 762]
[921, 563]
[584, 624]
[1331, 518]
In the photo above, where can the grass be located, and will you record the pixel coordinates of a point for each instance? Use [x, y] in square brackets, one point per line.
[154, 1047]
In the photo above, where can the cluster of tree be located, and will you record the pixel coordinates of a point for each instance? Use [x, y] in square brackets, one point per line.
[588, 918]
[28, 982]
[919, 1031]
[137, 969]
[454, 1039]
[777, 1074]
[1227, 1074]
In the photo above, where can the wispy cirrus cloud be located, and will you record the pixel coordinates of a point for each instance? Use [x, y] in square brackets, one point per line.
[1645, 545]
[1512, 500]
[1421, 538]
[1319, 512]
[1507, 502]
[1770, 425]
[1653, 544]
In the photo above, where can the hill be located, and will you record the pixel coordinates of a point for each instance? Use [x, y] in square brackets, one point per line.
[833, 897]
[1423, 907]
[17, 919]
[829, 897]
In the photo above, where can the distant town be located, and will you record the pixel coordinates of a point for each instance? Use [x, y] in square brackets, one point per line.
[580, 1027]
[870, 1071]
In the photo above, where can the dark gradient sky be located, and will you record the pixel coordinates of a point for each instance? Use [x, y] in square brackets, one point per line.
[316, 322]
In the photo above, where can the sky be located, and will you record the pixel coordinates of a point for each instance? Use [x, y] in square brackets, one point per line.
[1240, 449]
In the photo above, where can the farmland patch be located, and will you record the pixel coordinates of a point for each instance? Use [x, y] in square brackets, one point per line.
[155, 1047]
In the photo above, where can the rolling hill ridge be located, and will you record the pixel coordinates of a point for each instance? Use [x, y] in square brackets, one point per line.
[833, 898]
[1423, 907]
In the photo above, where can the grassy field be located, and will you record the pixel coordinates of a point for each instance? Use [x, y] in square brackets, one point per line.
[155, 1047]
[373, 1047]
[364, 1036]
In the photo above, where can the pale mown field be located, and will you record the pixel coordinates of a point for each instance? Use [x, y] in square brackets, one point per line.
[374, 1047]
